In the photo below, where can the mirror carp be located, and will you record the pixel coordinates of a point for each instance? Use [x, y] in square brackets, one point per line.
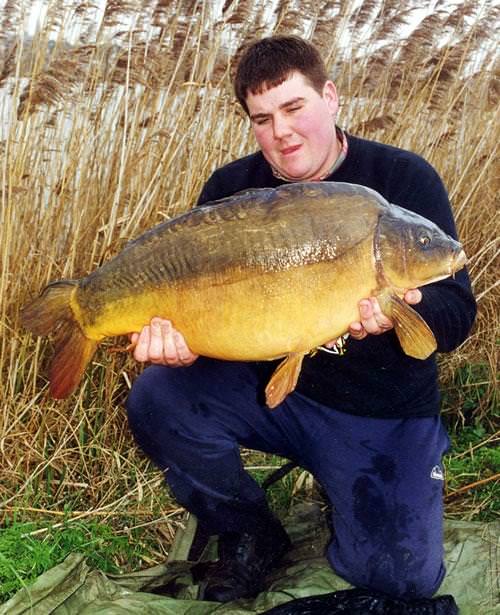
[264, 274]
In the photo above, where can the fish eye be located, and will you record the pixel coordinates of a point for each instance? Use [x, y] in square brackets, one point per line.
[424, 241]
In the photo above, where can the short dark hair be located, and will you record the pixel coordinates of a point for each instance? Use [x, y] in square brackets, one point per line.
[269, 61]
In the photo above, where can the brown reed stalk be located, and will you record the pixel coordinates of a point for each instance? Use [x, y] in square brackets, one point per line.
[99, 162]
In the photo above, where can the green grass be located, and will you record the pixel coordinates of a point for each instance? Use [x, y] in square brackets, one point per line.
[469, 393]
[25, 555]
[285, 491]
[475, 456]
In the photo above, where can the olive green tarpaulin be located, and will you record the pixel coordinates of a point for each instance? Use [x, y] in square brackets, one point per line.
[72, 588]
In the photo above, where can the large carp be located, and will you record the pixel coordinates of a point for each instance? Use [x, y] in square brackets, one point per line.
[264, 274]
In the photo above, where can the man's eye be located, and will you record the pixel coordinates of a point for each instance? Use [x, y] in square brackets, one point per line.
[294, 109]
[262, 121]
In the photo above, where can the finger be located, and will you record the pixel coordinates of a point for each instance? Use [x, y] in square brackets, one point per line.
[368, 320]
[156, 342]
[357, 331]
[383, 322]
[413, 296]
[186, 357]
[141, 351]
[169, 346]
[133, 339]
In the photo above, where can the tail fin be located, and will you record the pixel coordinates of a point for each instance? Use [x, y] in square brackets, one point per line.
[51, 313]
[72, 355]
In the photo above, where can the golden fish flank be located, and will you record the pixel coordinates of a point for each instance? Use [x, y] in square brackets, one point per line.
[263, 274]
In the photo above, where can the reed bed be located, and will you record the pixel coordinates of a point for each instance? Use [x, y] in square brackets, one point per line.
[111, 122]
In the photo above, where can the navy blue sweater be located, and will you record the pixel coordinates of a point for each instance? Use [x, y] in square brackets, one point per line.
[374, 377]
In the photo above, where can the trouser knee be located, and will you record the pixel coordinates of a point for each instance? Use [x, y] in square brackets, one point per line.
[139, 399]
[154, 400]
[173, 415]
[139, 404]
[136, 404]
[154, 409]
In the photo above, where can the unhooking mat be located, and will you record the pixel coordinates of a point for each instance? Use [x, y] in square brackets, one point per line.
[71, 588]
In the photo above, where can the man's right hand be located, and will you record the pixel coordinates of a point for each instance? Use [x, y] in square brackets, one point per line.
[161, 344]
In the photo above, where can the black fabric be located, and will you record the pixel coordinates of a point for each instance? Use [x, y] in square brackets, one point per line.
[362, 602]
[374, 377]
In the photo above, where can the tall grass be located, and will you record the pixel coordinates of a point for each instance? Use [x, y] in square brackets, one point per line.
[114, 130]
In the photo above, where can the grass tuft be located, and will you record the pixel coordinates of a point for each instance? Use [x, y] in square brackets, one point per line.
[24, 555]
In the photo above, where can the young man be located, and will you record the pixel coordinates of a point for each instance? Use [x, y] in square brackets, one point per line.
[366, 424]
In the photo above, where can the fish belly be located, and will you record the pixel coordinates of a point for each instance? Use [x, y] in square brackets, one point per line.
[245, 315]
[268, 316]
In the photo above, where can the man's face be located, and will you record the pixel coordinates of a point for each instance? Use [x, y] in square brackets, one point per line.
[295, 127]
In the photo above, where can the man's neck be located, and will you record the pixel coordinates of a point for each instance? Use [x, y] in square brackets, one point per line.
[339, 157]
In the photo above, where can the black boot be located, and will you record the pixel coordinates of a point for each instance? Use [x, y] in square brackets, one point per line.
[244, 561]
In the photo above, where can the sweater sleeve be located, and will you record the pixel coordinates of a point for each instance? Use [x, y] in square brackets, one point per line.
[448, 306]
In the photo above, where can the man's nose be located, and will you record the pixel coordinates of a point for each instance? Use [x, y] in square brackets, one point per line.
[281, 128]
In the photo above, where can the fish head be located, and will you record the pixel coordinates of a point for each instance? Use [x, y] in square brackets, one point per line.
[412, 251]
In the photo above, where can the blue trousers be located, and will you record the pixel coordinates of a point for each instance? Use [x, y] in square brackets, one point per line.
[383, 476]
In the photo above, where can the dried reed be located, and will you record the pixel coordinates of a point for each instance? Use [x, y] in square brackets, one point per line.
[106, 136]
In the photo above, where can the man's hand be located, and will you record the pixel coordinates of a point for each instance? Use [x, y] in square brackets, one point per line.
[161, 344]
[372, 321]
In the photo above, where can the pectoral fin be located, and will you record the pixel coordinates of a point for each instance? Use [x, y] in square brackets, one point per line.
[414, 334]
[284, 379]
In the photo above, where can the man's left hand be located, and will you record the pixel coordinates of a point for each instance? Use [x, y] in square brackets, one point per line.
[371, 319]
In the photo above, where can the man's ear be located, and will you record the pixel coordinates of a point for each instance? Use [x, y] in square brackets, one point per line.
[330, 97]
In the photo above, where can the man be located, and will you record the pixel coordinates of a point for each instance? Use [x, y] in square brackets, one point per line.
[366, 424]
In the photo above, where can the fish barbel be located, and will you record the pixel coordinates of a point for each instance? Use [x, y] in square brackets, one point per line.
[264, 274]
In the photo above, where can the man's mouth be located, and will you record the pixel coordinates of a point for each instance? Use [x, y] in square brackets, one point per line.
[290, 150]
